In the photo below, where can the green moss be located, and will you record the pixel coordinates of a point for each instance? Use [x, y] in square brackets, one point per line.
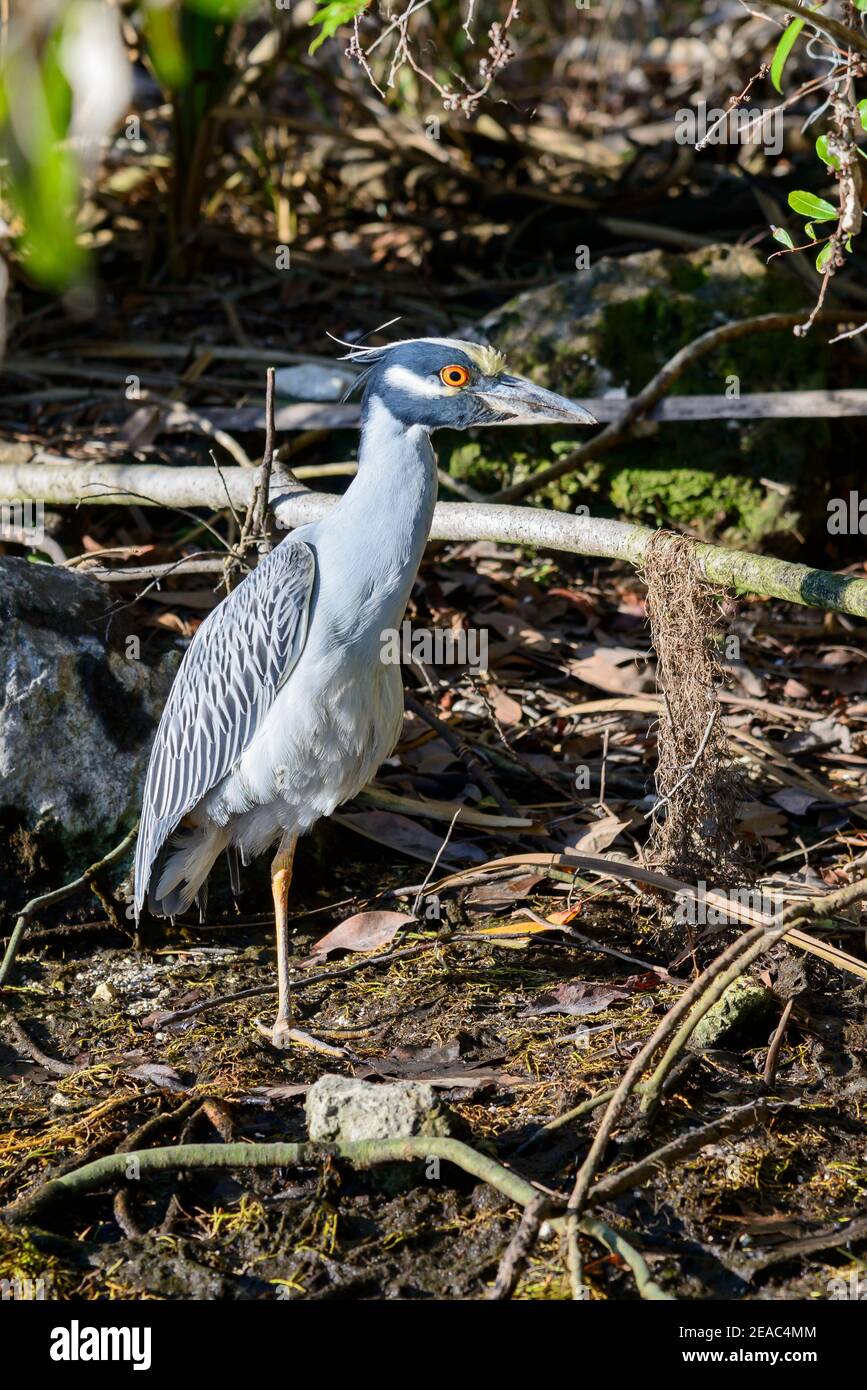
[700, 500]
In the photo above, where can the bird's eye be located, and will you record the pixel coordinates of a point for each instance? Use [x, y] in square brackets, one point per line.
[454, 375]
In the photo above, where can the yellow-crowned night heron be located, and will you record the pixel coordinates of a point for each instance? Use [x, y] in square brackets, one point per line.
[282, 707]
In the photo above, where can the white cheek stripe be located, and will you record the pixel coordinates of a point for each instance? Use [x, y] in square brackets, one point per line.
[403, 379]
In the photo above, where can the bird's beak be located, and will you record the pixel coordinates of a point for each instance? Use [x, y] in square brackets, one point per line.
[518, 401]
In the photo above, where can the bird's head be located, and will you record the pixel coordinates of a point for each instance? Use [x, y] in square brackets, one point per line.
[445, 383]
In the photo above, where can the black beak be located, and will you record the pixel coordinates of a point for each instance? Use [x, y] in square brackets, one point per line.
[518, 401]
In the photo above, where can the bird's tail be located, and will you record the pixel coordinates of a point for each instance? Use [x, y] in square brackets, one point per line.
[181, 869]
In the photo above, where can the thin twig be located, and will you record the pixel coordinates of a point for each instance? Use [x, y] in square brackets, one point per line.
[439, 854]
[770, 1072]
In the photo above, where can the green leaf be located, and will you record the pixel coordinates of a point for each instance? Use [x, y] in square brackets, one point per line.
[787, 42]
[782, 236]
[808, 205]
[825, 154]
[810, 230]
[332, 15]
[824, 256]
[861, 108]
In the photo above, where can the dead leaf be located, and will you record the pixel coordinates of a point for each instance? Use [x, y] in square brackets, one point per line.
[795, 801]
[506, 710]
[404, 835]
[579, 998]
[502, 894]
[516, 630]
[613, 669]
[159, 1075]
[598, 836]
[365, 931]
[444, 1065]
[762, 822]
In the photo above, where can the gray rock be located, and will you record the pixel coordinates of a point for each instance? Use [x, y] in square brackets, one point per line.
[79, 703]
[343, 1108]
[310, 381]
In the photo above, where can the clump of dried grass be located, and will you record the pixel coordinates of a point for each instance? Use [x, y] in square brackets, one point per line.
[693, 832]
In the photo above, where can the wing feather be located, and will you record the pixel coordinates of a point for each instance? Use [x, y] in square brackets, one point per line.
[225, 685]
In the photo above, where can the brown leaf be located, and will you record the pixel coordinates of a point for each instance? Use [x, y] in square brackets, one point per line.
[404, 835]
[365, 931]
[502, 894]
[613, 669]
[516, 630]
[506, 710]
[598, 836]
[578, 998]
[760, 821]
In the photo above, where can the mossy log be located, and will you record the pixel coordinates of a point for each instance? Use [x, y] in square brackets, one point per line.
[294, 505]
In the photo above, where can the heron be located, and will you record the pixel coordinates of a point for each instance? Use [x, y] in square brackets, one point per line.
[282, 707]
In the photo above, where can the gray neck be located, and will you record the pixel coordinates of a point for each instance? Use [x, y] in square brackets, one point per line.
[376, 534]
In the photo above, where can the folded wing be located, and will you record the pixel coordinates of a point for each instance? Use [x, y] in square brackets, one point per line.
[226, 683]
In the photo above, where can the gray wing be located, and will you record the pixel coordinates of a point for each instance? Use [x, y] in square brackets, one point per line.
[226, 683]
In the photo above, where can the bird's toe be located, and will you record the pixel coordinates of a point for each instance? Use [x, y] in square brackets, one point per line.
[279, 1035]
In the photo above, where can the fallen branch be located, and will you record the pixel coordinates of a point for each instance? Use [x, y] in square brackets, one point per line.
[158, 485]
[682, 1148]
[520, 1247]
[362, 1153]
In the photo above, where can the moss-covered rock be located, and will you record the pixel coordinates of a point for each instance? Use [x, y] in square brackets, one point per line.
[745, 1006]
[607, 331]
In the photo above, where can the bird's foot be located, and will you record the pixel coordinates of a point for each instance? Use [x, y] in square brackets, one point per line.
[279, 1035]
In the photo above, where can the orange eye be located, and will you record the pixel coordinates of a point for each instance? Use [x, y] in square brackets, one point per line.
[454, 375]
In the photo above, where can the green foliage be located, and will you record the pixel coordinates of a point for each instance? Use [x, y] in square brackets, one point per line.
[823, 257]
[42, 177]
[788, 39]
[825, 154]
[332, 15]
[808, 205]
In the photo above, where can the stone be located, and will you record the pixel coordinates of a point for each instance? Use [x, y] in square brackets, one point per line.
[311, 382]
[104, 993]
[745, 1004]
[79, 703]
[344, 1109]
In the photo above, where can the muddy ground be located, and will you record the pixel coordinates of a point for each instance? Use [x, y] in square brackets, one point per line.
[716, 1227]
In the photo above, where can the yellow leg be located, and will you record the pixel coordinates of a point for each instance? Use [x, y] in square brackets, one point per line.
[281, 879]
